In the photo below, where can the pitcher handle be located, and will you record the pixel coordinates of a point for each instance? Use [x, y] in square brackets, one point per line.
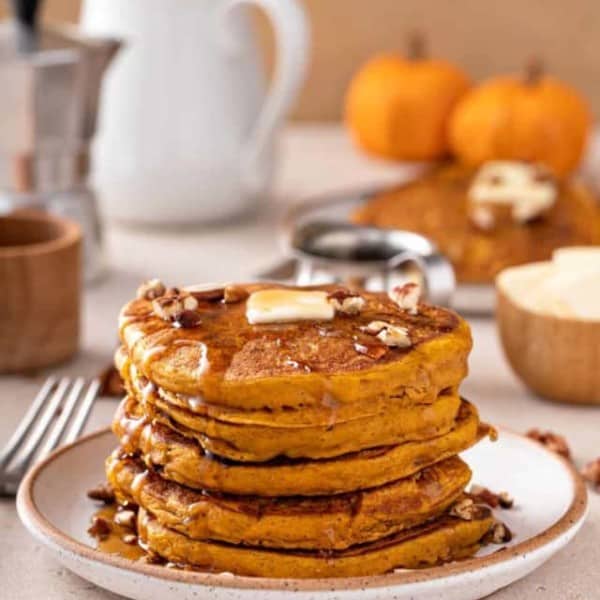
[292, 35]
[436, 270]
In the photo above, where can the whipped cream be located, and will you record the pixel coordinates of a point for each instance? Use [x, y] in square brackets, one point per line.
[526, 188]
[567, 287]
[284, 306]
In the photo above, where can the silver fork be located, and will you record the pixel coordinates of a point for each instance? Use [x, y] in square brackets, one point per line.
[46, 421]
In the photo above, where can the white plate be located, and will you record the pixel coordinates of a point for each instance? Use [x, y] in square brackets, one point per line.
[52, 504]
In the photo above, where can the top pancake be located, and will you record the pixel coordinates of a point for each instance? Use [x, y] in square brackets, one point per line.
[227, 361]
[435, 205]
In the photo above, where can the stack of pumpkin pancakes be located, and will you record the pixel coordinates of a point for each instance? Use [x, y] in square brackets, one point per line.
[304, 447]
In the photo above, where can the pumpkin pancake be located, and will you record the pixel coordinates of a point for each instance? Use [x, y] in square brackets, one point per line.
[325, 414]
[250, 443]
[440, 540]
[322, 522]
[180, 458]
[228, 361]
[436, 205]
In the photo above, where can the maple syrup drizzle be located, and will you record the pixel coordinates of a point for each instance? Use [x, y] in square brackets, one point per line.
[114, 543]
[224, 333]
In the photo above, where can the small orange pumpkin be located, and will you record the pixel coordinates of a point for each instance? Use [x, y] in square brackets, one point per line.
[535, 118]
[398, 108]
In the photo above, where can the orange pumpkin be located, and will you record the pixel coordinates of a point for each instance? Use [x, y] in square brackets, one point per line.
[398, 108]
[535, 118]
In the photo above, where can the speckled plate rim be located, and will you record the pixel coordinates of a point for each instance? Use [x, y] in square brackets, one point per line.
[39, 525]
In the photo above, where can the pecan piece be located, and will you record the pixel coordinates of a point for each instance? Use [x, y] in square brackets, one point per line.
[125, 518]
[407, 297]
[346, 302]
[175, 306]
[206, 292]
[393, 336]
[499, 534]
[103, 492]
[485, 496]
[552, 441]
[467, 510]
[111, 383]
[100, 528]
[151, 289]
[591, 472]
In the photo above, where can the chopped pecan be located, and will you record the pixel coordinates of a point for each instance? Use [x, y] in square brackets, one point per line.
[346, 302]
[111, 383]
[505, 500]
[125, 518]
[175, 307]
[467, 510]
[188, 319]
[206, 292]
[499, 534]
[407, 297]
[393, 336]
[484, 495]
[102, 493]
[591, 472]
[100, 528]
[151, 289]
[552, 441]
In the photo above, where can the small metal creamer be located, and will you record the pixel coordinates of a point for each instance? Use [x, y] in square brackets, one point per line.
[327, 251]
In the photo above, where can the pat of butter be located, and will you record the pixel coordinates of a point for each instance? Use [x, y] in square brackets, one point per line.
[284, 306]
[515, 184]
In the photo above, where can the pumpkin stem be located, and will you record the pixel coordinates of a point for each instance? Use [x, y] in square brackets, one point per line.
[417, 46]
[534, 71]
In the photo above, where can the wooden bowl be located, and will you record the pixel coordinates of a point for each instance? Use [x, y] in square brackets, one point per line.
[40, 273]
[556, 357]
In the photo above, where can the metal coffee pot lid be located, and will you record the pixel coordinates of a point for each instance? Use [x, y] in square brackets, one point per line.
[50, 79]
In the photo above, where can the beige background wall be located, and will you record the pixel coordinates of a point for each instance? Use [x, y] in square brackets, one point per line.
[485, 36]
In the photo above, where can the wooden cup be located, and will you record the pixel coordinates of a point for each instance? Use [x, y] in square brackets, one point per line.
[40, 280]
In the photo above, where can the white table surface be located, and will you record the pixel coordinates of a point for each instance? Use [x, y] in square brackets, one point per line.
[314, 159]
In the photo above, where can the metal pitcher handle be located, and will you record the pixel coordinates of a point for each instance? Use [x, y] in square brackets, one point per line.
[437, 273]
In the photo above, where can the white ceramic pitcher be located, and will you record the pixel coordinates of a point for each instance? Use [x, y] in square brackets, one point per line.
[187, 127]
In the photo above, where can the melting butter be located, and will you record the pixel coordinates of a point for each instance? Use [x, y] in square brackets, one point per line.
[284, 306]
[520, 185]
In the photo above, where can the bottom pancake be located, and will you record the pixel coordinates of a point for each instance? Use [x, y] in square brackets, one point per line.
[326, 522]
[439, 541]
[181, 459]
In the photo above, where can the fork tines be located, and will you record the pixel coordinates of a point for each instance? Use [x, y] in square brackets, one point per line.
[59, 402]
